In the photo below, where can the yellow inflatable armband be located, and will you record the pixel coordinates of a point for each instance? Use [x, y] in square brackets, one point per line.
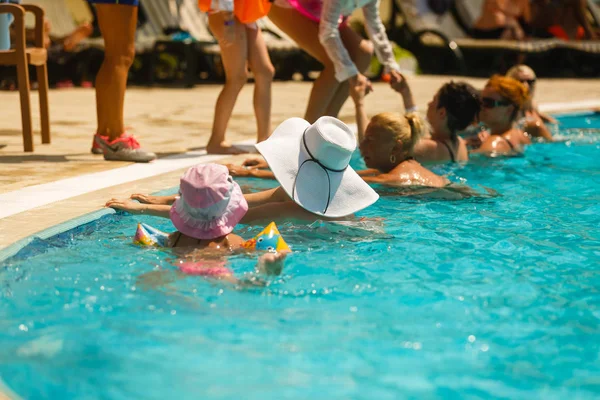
[268, 239]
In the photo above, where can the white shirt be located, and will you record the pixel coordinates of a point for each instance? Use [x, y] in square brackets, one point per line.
[329, 35]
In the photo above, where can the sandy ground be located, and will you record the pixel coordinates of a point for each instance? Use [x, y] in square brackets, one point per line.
[171, 121]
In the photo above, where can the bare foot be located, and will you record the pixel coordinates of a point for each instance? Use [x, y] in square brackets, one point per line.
[223, 148]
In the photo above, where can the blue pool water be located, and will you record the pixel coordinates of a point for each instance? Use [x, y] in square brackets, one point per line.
[492, 297]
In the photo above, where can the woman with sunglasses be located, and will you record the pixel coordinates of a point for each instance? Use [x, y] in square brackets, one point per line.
[531, 118]
[454, 107]
[502, 100]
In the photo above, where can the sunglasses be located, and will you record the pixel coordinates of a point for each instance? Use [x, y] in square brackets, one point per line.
[488, 102]
[530, 82]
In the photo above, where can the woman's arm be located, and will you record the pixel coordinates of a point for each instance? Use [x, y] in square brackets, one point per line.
[236, 170]
[368, 172]
[275, 195]
[376, 31]
[329, 36]
[399, 83]
[358, 93]
[282, 212]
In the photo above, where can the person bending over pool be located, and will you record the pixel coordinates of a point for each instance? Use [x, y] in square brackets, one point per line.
[530, 117]
[502, 100]
[320, 27]
[311, 164]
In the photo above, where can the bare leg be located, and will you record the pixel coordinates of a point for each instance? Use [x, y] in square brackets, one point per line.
[361, 51]
[117, 24]
[234, 56]
[306, 34]
[260, 63]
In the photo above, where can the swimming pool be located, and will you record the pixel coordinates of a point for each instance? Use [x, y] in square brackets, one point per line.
[478, 298]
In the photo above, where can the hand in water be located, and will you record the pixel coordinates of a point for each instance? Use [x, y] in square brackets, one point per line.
[271, 263]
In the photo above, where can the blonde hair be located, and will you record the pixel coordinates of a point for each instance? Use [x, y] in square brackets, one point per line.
[407, 129]
[515, 71]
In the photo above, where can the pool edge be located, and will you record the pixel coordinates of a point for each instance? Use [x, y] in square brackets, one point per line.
[13, 249]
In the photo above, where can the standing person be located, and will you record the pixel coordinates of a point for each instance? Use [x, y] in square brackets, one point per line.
[117, 20]
[320, 28]
[241, 43]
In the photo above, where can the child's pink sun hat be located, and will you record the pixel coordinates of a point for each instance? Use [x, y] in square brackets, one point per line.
[210, 203]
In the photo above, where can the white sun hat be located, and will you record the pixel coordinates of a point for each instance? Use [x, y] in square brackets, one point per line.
[311, 163]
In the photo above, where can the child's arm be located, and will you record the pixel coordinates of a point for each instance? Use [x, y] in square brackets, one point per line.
[147, 199]
[157, 210]
[271, 263]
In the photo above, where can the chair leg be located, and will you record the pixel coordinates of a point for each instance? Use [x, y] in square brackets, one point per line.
[23, 80]
[42, 77]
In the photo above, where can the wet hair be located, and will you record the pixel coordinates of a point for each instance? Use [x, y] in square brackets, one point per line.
[511, 89]
[408, 129]
[520, 69]
[462, 104]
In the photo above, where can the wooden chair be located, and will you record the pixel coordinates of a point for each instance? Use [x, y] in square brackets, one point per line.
[21, 56]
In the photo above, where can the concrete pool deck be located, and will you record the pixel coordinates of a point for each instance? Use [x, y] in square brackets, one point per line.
[58, 182]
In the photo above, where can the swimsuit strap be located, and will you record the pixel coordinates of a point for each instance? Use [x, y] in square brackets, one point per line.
[509, 143]
[452, 156]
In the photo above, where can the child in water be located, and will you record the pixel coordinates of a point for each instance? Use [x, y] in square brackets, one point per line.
[209, 206]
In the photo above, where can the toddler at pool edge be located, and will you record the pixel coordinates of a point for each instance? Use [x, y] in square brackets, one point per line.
[209, 207]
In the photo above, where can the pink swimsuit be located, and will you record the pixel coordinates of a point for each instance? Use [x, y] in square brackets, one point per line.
[205, 268]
